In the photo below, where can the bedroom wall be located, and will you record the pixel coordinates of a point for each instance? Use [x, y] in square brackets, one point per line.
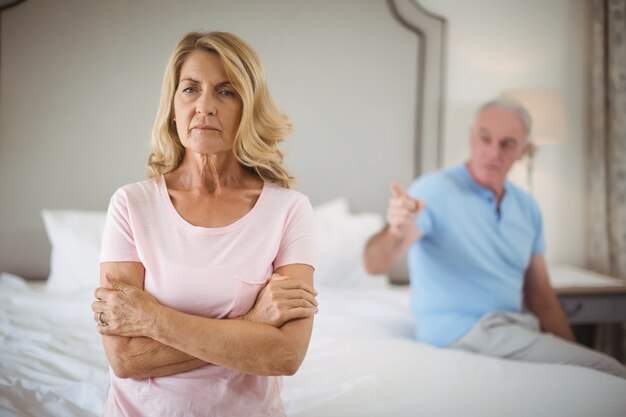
[80, 82]
[498, 45]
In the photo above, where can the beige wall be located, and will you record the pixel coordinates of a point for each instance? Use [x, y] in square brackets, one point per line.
[499, 45]
[80, 82]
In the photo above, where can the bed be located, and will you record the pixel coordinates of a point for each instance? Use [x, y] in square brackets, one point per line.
[362, 360]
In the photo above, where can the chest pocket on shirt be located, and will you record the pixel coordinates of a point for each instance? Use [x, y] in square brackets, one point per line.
[246, 291]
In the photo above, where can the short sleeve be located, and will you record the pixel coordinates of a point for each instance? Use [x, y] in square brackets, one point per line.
[539, 243]
[118, 243]
[297, 245]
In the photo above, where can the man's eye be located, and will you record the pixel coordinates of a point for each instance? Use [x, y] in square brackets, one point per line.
[508, 145]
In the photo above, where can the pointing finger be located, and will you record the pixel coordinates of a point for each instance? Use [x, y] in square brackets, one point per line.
[396, 190]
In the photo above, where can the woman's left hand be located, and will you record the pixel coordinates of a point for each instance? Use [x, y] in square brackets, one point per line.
[124, 310]
[281, 300]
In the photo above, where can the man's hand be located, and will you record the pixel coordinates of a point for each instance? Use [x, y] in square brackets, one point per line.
[283, 299]
[402, 212]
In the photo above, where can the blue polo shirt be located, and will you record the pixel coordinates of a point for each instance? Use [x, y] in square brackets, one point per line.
[471, 257]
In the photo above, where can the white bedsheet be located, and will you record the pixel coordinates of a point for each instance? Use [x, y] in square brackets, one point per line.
[362, 361]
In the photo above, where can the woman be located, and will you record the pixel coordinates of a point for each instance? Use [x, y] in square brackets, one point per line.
[186, 253]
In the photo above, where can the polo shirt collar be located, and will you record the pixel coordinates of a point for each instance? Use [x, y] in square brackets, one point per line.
[463, 174]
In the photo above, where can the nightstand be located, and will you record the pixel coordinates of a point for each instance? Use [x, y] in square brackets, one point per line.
[590, 299]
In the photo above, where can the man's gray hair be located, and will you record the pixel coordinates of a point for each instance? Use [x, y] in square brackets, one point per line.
[511, 105]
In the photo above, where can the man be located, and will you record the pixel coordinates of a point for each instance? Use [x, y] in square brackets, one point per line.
[478, 277]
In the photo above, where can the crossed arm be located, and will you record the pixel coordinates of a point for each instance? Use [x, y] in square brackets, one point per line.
[145, 339]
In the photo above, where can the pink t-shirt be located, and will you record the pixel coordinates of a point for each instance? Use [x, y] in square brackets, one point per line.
[210, 272]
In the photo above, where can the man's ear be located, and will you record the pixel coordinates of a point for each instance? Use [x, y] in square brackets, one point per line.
[527, 149]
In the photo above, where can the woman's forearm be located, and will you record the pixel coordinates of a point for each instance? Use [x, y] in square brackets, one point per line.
[160, 340]
[142, 357]
[139, 357]
[247, 347]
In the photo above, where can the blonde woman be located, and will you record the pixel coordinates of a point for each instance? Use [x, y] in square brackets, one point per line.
[206, 294]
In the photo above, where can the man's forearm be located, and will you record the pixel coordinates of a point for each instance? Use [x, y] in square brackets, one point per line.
[553, 320]
[557, 324]
[383, 250]
[542, 301]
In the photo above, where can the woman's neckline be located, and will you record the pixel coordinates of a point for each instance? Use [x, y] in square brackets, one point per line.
[180, 220]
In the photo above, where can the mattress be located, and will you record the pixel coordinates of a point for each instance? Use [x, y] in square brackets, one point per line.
[362, 361]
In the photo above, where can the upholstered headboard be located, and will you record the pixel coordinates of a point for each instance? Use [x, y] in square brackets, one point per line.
[362, 81]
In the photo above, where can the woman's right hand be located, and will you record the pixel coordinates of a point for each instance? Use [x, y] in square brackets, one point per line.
[281, 300]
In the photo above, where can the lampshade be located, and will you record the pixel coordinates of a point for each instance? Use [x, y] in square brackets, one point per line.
[547, 110]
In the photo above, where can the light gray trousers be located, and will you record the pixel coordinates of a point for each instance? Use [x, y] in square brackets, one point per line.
[519, 337]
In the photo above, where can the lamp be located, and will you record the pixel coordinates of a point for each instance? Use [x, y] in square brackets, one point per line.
[547, 110]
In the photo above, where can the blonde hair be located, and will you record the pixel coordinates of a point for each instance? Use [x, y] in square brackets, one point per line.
[262, 125]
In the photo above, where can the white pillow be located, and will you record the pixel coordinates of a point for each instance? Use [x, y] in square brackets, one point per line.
[332, 209]
[75, 237]
[340, 242]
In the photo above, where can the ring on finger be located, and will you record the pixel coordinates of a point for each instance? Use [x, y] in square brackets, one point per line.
[100, 322]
